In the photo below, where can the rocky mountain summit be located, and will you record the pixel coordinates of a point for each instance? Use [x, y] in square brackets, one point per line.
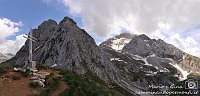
[118, 42]
[132, 62]
[146, 61]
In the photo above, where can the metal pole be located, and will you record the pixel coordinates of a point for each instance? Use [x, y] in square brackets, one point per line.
[30, 39]
[30, 46]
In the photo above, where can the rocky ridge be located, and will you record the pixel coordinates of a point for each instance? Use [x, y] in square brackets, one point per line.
[66, 46]
[132, 62]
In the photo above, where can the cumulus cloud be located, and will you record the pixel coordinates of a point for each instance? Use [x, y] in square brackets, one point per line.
[10, 28]
[12, 46]
[143, 16]
[107, 17]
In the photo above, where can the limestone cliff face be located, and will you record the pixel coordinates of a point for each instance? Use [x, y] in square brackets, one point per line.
[143, 46]
[190, 63]
[72, 48]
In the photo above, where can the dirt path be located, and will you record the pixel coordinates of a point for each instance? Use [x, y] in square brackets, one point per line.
[9, 87]
[62, 88]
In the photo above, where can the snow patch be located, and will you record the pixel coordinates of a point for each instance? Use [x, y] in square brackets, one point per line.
[115, 59]
[170, 59]
[146, 63]
[137, 57]
[118, 44]
[54, 65]
[184, 73]
[152, 55]
[151, 73]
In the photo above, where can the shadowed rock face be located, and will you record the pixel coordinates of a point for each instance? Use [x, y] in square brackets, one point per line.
[71, 48]
[143, 46]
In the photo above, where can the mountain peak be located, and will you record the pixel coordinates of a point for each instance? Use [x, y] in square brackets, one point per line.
[125, 35]
[67, 20]
[118, 42]
[143, 37]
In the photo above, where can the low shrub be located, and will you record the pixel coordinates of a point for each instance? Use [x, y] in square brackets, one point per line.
[55, 85]
[85, 86]
[62, 72]
[46, 92]
[2, 69]
[25, 72]
[16, 77]
[41, 67]
[17, 65]
[34, 84]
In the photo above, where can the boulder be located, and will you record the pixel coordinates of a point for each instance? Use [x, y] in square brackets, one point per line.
[34, 78]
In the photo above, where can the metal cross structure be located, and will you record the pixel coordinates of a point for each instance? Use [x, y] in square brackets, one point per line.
[31, 39]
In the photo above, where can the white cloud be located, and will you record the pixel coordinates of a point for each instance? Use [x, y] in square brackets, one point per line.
[143, 16]
[9, 28]
[12, 46]
[153, 17]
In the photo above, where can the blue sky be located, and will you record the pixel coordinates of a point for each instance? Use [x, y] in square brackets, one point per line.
[32, 11]
[175, 21]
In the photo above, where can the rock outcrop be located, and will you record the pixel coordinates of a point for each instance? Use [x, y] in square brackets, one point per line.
[190, 63]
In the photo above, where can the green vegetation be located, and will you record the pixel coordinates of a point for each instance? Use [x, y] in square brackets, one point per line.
[34, 84]
[41, 67]
[52, 85]
[121, 90]
[4, 69]
[85, 86]
[17, 65]
[55, 85]
[25, 72]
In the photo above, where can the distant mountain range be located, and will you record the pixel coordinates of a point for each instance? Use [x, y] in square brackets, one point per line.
[132, 62]
[4, 57]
